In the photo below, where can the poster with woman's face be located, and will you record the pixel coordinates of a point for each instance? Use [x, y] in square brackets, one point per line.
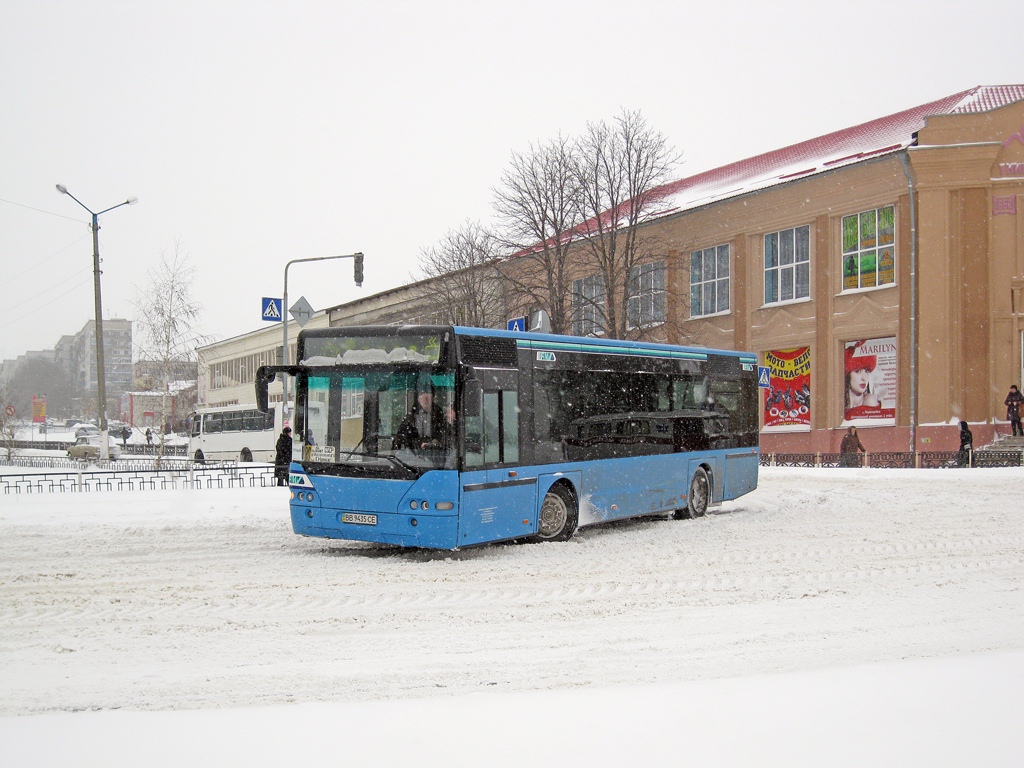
[787, 402]
[869, 389]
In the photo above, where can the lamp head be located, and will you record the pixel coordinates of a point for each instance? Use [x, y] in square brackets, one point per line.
[62, 189]
[132, 200]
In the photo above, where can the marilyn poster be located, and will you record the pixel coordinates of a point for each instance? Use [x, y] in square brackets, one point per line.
[869, 389]
[787, 402]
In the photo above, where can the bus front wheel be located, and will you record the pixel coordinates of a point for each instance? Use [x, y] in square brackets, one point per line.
[558, 515]
[245, 456]
[699, 498]
[200, 459]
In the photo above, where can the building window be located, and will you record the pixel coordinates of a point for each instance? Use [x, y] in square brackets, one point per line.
[869, 249]
[588, 306]
[709, 281]
[787, 265]
[647, 295]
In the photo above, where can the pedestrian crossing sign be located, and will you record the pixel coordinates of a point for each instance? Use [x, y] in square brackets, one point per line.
[764, 377]
[273, 309]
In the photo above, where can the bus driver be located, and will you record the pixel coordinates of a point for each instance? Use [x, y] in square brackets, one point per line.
[424, 426]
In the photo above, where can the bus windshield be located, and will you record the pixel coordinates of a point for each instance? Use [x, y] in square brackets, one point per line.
[378, 420]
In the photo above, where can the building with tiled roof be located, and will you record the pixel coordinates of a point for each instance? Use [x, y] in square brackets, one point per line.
[878, 271]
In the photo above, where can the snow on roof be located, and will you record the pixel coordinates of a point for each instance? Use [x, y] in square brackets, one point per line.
[875, 138]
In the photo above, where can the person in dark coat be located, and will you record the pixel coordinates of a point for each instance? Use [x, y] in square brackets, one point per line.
[424, 426]
[126, 432]
[1014, 402]
[283, 456]
[966, 444]
[850, 449]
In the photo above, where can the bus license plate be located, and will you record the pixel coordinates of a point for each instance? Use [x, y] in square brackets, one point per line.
[358, 518]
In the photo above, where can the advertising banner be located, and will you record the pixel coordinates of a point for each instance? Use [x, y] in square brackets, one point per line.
[787, 402]
[38, 409]
[870, 383]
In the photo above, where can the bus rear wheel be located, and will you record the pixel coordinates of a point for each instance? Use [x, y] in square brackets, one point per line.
[558, 515]
[200, 459]
[245, 455]
[699, 498]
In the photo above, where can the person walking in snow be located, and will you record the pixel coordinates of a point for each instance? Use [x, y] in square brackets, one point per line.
[966, 444]
[850, 449]
[149, 436]
[1013, 402]
[125, 434]
[283, 456]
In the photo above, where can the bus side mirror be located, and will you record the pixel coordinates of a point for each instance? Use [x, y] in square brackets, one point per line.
[263, 379]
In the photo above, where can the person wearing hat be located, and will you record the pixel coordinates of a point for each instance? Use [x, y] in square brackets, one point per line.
[283, 456]
[858, 381]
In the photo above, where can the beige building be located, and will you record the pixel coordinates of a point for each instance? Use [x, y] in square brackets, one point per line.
[878, 273]
[878, 270]
[227, 369]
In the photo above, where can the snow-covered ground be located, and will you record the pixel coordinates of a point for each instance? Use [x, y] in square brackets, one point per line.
[832, 617]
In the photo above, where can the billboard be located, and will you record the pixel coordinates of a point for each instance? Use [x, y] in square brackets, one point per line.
[38, 409]
[869, 386]
[787, 401]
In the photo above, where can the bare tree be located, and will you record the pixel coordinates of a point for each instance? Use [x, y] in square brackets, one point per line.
[8, 421]
[168, 322]
[465, 289]
[619, 169]
[539, 208]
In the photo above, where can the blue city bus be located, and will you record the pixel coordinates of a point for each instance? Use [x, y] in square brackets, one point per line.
[446, 437]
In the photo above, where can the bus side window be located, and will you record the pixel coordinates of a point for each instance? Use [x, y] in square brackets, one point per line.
[547, 448]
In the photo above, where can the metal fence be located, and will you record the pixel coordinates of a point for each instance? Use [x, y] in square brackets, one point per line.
[133, 449]
[897, 459]
[137, 475]
[90, 478]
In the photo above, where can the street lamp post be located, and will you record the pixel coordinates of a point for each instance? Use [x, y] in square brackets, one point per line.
[358, 267]
[101, 379]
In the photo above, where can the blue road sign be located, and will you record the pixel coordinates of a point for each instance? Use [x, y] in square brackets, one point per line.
[273, 309]
[764, 377]
[516, 324]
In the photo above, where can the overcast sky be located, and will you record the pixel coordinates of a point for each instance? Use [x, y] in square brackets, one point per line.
[254, 133]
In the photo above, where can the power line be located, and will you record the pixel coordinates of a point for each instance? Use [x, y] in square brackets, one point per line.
[40, 210]
[46, 259]
[44, 306]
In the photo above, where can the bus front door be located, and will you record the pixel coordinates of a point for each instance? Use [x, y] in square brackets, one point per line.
[496, 501]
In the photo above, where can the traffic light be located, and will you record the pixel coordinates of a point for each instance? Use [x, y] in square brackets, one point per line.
[358, 260]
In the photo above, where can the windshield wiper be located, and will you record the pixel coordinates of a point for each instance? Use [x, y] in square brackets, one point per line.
[407, 467]
[392, 459]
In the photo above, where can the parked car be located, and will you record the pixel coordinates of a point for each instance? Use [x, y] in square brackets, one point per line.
[88, 447]
[87, 430]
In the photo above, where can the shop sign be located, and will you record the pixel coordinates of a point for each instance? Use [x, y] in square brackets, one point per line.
[787, 402]
[1004, 205]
